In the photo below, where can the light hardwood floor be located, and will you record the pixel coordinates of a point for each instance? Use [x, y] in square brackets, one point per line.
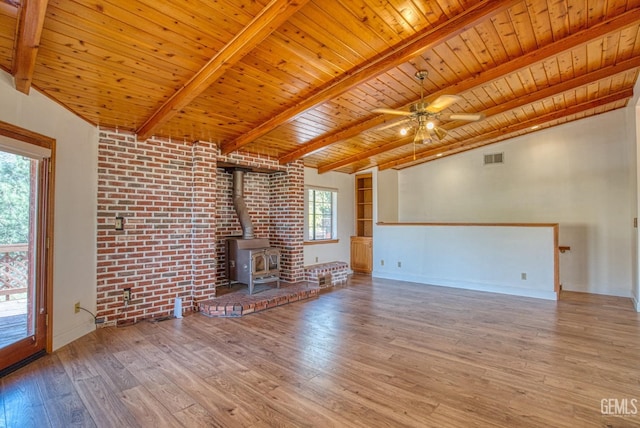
[373, 353]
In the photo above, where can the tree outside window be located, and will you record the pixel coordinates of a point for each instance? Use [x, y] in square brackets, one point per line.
[15, 187]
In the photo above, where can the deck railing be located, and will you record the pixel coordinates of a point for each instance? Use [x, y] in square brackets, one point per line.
[14, 270]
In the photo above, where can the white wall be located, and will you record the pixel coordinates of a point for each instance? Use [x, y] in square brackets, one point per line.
[74, 270]
[485, 258]
[344, 184]
[633, 113]
[387, 195]
[579, 175]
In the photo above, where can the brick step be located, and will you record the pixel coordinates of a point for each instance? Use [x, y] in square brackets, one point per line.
[327, 274]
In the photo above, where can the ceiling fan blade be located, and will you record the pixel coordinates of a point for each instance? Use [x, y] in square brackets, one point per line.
[392, 111]
[393, 124]
[440, 133]
[442, 102]
[462, 116]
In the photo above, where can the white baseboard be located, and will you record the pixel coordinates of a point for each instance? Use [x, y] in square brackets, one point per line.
[61, 339]
[467, 285]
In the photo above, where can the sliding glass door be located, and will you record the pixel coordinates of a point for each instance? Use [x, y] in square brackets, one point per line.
[24, 259]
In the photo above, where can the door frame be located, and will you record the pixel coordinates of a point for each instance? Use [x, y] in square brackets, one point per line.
[30, 137]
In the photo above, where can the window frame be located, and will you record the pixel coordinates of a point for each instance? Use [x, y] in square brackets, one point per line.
[334, 215]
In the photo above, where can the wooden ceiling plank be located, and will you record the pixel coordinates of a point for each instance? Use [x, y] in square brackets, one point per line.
[558, 15]
[378, 26]
[409, 12]
[595, 12]
[531, 28]
[577, 19]
[8, 10]
[479, 49]
[537, 96]
[59, 59]
[488, 31]
[269, 19]
[32, 15]
[113, 55]
[407, 50]
[136, 31]
[506, 34]
[197, 23]
[318, 21]
[505, 132]
[554, 49]
[615, 6]
[457, 59]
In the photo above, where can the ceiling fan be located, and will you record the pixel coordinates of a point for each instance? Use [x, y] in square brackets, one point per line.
[422, 115]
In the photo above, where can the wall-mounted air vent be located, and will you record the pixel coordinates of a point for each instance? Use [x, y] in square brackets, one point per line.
[492, 158]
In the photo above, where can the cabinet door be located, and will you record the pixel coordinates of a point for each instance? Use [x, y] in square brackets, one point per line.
[361, 254]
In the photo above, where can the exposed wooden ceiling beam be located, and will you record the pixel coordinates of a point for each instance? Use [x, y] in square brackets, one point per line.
[503, 133]
[333, 137]
[547, 92]
[577, 39]
[364, 155]
[31, 21]
[418, 44]
[266, 22]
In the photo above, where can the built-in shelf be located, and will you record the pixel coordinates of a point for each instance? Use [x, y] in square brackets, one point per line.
[364, 205]
[362, 243]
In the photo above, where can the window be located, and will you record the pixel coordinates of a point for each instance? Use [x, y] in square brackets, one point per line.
[321, 218]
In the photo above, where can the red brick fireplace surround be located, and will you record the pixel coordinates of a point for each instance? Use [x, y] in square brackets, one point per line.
[176, 202]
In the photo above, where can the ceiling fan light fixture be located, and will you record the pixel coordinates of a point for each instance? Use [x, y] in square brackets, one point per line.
[422, 136]
[440, 133]
[422, 114]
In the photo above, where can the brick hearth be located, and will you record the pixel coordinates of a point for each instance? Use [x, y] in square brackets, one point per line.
[238, 302]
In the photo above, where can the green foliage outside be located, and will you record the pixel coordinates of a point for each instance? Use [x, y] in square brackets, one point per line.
[14, 199]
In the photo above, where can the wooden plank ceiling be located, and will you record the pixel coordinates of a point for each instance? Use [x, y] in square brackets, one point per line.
[300, 78]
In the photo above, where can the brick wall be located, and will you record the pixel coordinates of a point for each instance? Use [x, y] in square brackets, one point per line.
[204, 228]
[287, 217]
[178, 210]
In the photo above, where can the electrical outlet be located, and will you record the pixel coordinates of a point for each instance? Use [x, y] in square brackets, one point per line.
[523, 276]
[126, 294]
[316, 259]
[119, 223]
[381, 262]
[399, 264]
[76, 307]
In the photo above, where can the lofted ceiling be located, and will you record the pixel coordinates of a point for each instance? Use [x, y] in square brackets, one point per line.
[299, 79]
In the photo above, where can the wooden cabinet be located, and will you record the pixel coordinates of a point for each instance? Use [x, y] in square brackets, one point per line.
[362, 254]
[362, 243]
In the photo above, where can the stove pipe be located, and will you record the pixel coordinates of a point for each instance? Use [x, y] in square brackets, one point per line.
[239, 204]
